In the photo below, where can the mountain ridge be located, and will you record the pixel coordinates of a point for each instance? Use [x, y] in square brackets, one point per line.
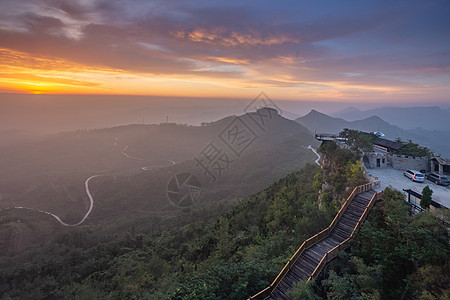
[436, 140]
[426, 117]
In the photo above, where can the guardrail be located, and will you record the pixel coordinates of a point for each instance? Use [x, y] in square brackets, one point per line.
[342, 246]
[320, 236]
[329, 137]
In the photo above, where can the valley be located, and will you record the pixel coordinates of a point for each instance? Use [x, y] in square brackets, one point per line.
[224, 150]
[91, 177]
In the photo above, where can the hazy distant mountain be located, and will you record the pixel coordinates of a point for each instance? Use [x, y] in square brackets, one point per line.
[49, 173]
[322, 123]
[436, 140]
[432, 117]
[350, 110]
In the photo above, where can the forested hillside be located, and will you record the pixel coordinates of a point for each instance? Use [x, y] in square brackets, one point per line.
[134, 165]
[216, 251]
[201, 254]
[394, 256]
[233, 250]
[435, 139]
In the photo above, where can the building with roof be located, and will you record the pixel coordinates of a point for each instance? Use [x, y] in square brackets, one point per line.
[440, 165]
[385, 145]
[386, 154]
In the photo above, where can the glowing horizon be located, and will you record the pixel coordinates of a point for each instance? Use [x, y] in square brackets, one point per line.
[223, 50]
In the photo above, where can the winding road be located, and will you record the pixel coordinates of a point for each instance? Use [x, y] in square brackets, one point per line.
[315, 152]
[137, 158]
[91, 199]
[88, 192]
[91, 205]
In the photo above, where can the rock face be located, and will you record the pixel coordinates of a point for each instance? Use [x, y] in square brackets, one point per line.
[325, 188]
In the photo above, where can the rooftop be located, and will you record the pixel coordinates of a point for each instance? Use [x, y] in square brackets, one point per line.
[387, 143]
[441, 160]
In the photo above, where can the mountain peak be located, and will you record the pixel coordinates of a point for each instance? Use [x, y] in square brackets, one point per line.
[374, 118]
[427, 117]
[314, 112]
[347, 110]
[320, 122]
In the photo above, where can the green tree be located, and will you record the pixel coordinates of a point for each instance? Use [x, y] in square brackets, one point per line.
[413, 149]
[425, 201]
[303, 291]
[410, 251]
[357, 140]
[358, 282]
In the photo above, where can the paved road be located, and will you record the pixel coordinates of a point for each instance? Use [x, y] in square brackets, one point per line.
[396, 179]
[91, 205]
[315, 152]
[145, 168]
[86, 184]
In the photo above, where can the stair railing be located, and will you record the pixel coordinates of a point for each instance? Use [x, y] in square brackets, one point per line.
[314, 240]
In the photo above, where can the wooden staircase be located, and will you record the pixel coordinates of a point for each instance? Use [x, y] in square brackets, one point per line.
[315, 252]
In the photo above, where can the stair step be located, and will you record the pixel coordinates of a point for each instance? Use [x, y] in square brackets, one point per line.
[350, 215]
[339, 231]
[311, 259]
[338, 238]
[290, 280]
[323, 246]
[355, 210]
[330, 243]
[284, 287]
[279, 295]
[305, 265]
[357, 205]
[302, 272]
[320, 251]
[308, 261]
[361, 200]
[346, 224]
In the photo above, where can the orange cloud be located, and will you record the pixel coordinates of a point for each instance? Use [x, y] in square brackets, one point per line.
[23, 73]
[219, 36]
[230, 60]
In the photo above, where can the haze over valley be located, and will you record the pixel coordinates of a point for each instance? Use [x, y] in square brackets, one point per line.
[168, 149]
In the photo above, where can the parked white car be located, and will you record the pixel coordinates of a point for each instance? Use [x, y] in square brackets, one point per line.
[414, 175]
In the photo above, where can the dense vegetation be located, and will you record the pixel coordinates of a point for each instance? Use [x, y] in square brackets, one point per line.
[413, 149]
[233, 250]
[195, 255]
[362, 141]
[49, 173]
[341, 171]
[394, 256]
[209, 252]
[358, 140]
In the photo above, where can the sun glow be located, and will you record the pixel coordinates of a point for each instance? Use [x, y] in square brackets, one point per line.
[24, 73]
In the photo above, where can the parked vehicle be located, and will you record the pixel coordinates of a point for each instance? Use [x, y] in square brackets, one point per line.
[414, 175]
[438, 179]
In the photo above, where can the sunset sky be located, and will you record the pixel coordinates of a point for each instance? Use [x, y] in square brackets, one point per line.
[296, 50]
